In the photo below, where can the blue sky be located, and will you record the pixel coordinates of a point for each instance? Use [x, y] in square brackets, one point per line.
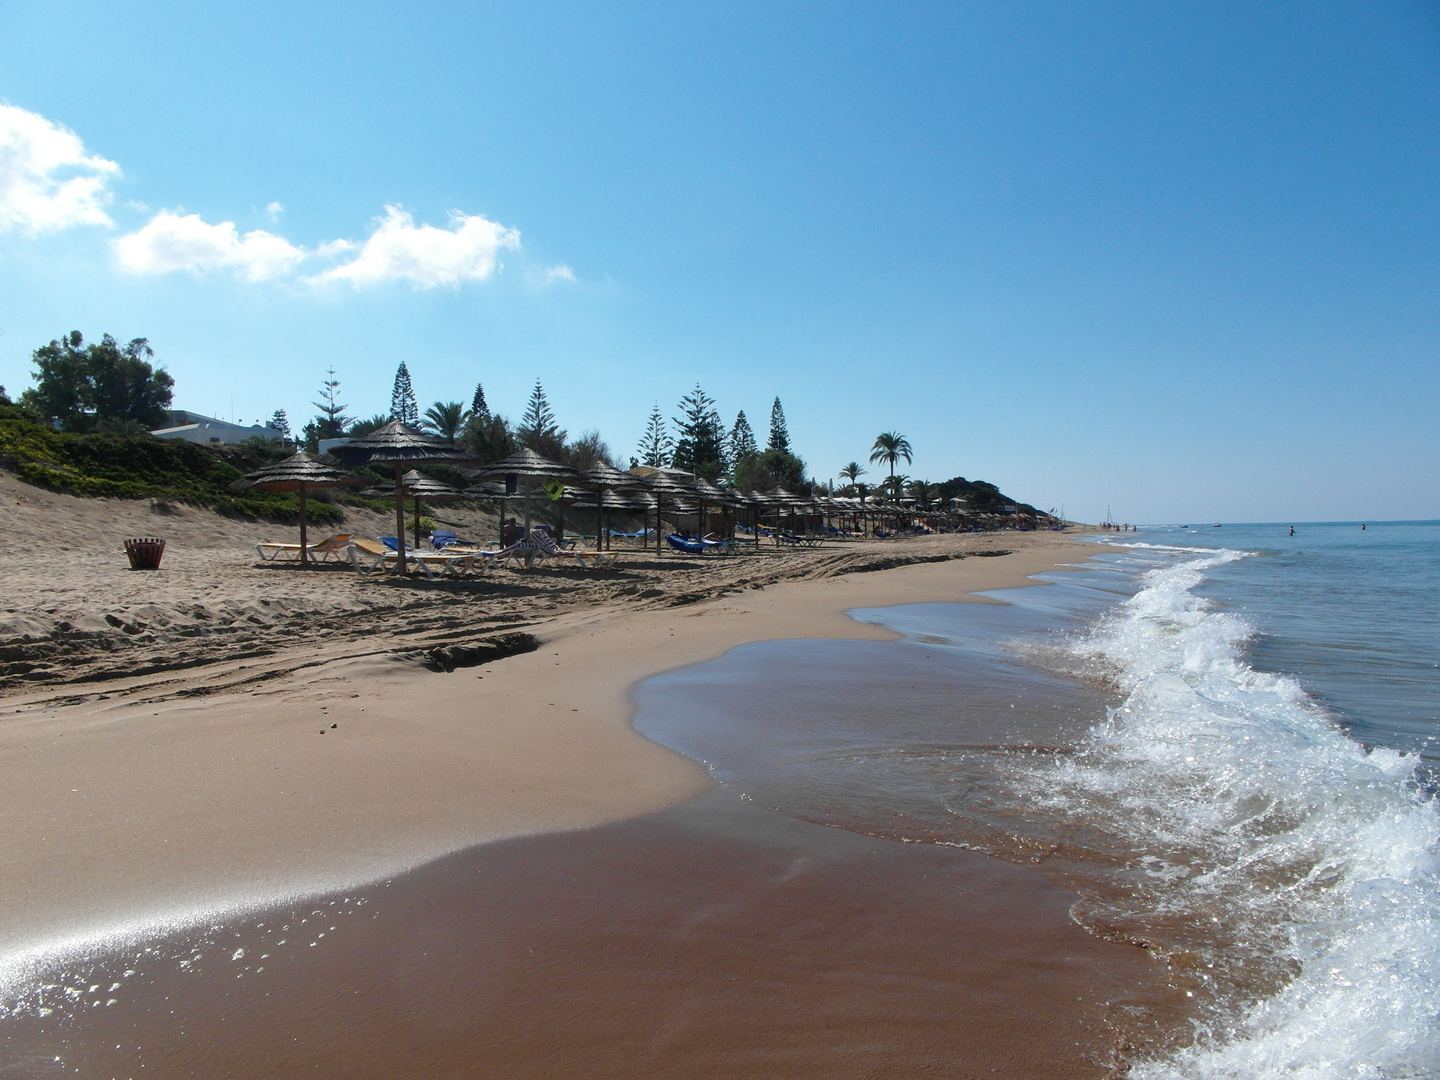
[1177, 259]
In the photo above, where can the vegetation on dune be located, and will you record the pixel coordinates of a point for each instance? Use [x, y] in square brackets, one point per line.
[103, 465]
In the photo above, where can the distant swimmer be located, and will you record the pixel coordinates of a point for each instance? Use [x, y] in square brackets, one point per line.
[1362, 528]
[1292, 530]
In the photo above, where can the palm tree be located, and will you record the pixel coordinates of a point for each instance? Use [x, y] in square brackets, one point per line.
[896, 482]
[446, 419]
[852, 473]
[890, 447]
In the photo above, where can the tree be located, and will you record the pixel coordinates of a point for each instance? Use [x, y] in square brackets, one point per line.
[769, 469]
[487, 437]
[656, 444]
[478, 408]
[890, 447]
[779, 433]
[331, 421]
[446, 419]
[742, 439]
[538, 429]
[851, 473]
[923, 492]
[102, 385]
[281, 423]
[588, 449]
[403, 406]
[700, 448]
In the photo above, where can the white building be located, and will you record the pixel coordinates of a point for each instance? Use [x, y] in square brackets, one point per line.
[192, 427]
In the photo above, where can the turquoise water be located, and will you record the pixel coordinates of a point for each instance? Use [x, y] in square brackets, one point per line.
[1224, 739]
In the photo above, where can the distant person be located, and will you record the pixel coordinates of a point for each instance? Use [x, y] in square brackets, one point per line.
[1362, 528]
[1292, 530]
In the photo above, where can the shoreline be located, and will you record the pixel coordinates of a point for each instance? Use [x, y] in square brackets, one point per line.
[126, 814]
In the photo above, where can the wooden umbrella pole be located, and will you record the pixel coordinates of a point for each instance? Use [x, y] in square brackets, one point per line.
[599, 509]
[417, 522]
[304, 537]
[399, 520]
[529, 550]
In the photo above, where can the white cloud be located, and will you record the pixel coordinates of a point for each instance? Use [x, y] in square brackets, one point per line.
[559, 272]
[400, 250]
[47, 180]
[172, 241]
[273, 209]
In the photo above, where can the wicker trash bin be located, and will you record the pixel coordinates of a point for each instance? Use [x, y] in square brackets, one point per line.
[145, 553]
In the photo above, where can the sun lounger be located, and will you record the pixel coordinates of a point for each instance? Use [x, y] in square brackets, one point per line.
[329, 550]
[368, 555]
[692, 546]
[542, 542]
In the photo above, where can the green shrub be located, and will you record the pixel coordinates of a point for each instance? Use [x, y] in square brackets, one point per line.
[138, 467]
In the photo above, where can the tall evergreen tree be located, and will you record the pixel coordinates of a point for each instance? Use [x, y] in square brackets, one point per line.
[280, 422]
[779, 434]
[700, 447]
[478, 408]
[538, 429]
[656, 444]
[742, 439]
[403, 406]
[331, 422]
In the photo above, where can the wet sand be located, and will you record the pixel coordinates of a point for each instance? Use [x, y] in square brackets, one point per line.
[715, 939]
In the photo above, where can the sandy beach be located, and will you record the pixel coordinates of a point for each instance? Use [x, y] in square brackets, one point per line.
[160, 778]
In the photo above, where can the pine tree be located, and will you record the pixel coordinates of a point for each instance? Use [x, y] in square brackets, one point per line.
[700, 447]
[742, 439]
[332, 421]
[478, 408]
[403, 406]
[779, 435]
[656, 445]
[280, 422]
[538, 429]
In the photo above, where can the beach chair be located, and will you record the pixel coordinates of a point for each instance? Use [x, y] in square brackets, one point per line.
[328, 550]
[368, 555]
[542, 542]
[693, 545]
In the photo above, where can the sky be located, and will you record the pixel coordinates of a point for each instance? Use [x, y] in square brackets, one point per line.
[1177, 262]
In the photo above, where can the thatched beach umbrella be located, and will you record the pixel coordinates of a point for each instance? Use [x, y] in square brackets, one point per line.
[397, 444]
[419, 488]
[298, 473]
[662, 483]
[604, 479]
[522, 469]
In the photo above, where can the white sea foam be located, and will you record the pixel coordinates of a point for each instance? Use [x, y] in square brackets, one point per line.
[1297, 871]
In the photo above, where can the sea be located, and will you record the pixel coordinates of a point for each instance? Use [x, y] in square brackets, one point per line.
[1225, 739]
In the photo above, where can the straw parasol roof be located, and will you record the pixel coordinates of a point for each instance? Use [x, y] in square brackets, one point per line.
[299, 470]
[396, 444]
[297, 473]
[421, 488]
[525, 463]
